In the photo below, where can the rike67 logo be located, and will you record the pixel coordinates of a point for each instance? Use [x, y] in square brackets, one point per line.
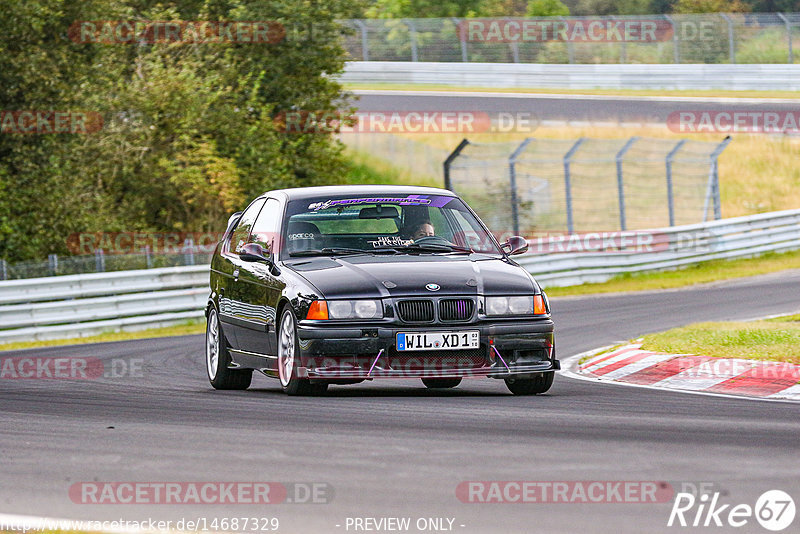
[774, 510]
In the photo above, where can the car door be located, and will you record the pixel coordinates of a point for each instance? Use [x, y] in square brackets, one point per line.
[260, 288]
[232, 290]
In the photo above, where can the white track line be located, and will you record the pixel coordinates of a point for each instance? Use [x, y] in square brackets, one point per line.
[792, 392]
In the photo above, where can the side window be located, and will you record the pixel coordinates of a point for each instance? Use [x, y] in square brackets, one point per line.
[265, 230]
[242, 231]
[466, 235]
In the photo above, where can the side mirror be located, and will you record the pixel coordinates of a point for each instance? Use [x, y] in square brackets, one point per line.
[253, 252]
[515, 245]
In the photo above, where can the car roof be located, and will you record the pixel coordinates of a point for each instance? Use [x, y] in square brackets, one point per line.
[299, 193]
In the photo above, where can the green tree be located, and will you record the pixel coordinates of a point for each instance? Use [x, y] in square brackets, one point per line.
[547, 8]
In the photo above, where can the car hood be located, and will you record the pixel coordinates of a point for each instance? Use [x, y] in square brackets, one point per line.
[407, 275]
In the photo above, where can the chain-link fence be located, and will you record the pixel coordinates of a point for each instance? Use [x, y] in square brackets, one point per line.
[558, 185]
[696, 38]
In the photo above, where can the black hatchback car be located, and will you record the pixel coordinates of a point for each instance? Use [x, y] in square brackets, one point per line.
[337, 285]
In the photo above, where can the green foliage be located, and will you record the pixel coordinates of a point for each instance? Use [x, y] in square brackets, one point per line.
[711, 6]
[547, 8]
[188, 133]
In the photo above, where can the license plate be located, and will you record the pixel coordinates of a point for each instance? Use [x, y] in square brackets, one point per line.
[409, 341]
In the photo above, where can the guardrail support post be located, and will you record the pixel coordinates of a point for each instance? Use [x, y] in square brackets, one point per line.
[568, 183]
[148, 259]
[99, 260]
[788, 35]
[447, 162]
[3, 269]
[412, 37]
[364, 40]
[731, 44]
[512, 175]
[188, 251]
[670, 198]
[52, 260]
[620, 184]
[676, 42]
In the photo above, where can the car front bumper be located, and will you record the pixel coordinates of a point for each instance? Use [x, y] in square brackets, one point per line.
[519, 349]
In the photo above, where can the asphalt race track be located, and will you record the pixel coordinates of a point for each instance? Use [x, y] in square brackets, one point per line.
[560, 107]
[392, 448]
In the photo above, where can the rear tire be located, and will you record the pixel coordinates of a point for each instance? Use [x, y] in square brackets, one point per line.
[441, 383]
[218, 358]
[530, 386]
[288, 360]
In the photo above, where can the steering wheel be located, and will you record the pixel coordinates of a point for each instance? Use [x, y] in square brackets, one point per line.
[433, 240]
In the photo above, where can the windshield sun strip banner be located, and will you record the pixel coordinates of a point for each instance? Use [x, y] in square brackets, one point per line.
[416, 200]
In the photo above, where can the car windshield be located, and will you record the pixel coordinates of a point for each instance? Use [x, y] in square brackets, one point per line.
[411, 224]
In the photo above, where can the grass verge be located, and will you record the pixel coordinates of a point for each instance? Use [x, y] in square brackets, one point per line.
[540, 90]
[768, 340]
[183, 329]
[710, 271]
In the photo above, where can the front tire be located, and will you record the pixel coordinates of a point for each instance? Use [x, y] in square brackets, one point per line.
[441, 383]
[218, 358]
[288, 360]
[530, 386]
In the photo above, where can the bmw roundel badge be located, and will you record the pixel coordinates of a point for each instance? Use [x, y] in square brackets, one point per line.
[432, 287]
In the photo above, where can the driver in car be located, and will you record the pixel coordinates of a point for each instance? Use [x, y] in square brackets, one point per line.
[424, 229]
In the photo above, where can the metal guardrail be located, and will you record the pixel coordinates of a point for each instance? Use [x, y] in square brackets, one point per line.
[672, 248]
[752, 77]
[89, 304]
[83, 305]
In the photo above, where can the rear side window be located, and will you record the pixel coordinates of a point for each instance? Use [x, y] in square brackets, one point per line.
[241, 233]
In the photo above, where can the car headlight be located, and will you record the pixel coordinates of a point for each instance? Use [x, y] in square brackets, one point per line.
[517, 305]
[355, 309]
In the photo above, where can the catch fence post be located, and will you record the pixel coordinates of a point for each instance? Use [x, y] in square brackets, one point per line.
[568, 183]
[620, 184]
[449, 161]
[512, 174]
[670, 197]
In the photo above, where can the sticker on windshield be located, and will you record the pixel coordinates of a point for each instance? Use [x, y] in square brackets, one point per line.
[415, 200]
[390, 241]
